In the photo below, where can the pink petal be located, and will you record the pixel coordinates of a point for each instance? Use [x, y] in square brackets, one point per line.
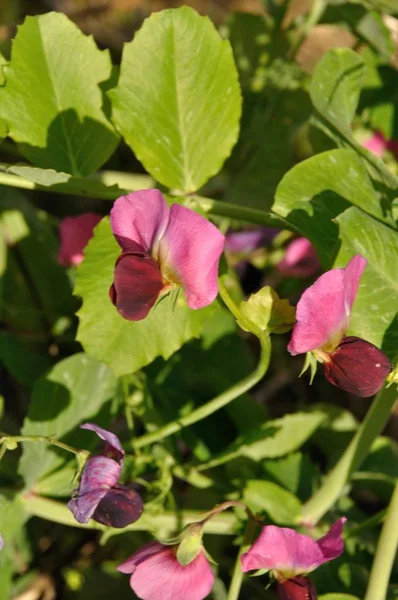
[75, 233]
[300, 259]
[299, 588]
[136, 286]
[244, 242]
[357, 367]
[105, 435]
[120, 507]
[377, 144]
[289, 553]
[1, 542]
[189, 254]
[323, 311]
[100, 474]
[139, 219]
[156, 574]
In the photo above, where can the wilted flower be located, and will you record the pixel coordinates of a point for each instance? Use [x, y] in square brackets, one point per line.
[162, 248]
[75, 233]
[378, 144]
[289, 556]
[100, 495]
[300, 259]
[156, 574]
[322, 319]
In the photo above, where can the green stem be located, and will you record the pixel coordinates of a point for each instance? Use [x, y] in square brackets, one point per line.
[237, 576]
[385, 553]
[165, 522]
[100, 186]
[213, 405]
[352, 458]
[5, 439]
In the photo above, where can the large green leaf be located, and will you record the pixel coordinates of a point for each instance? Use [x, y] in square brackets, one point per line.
[52, 108]
[72, 392]
[126, 346]
[374, 316]
[282, 506]
[316, 191]
[178, 101]
[12, 517]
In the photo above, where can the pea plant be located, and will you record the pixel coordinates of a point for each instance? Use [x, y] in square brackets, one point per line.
[198, 295]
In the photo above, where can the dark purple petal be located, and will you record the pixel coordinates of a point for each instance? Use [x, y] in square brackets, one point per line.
[113, 447]
[100, 474]
[120, 507]
[357, 367]
[299, 588]
[137, 285]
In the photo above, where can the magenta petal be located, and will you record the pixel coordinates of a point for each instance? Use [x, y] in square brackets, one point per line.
[189, 254]
[136, 286]
[100, 474]
[74, 233]
[299, 588]
[105, 435]
[156, 574]
[377, 144]
[289, 553]
[139, 220]
[357, 367]
[300, 259]
[244, 242]
[323, 311]
[1, 542]
[120, 507]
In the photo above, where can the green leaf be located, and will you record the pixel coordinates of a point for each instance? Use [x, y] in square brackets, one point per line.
[268, 312]
[3, 126]
[126, 346]
[53, 109]
[12, 517]
[24, 364]
[177, 103]
[282, 506]
[336, 85]
[317, 190]
[72, 392]
[374, 316]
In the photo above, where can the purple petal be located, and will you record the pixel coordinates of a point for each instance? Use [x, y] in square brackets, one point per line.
[243, 242]
[120, 507]
[100, 474]
[156, 574]
[323, 311]
[289, 553]
[189, 254]
[357, 367]
[105, 435]
[139, 219]
[136, 286]
[299, 588]
[300, 259]
[75, 233]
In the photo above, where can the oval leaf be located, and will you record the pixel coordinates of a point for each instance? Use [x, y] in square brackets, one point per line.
[178, 101]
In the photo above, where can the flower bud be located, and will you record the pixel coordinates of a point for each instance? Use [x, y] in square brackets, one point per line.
[299, 588]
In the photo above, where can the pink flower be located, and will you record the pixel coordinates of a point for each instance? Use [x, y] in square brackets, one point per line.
[75, 233]
[100, 495]
[322, 319]
[247, 240]
[162, 248]
[378, 144]
[288, 555]
[300, 259]
[156, 574]
[1, 542]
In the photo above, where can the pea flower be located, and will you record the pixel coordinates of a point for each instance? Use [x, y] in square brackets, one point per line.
[162, 248]
[300, 259]
[100, 496]
[156, 574]
[378, 144]
[75, 233]
[289, 556]
[322, 319]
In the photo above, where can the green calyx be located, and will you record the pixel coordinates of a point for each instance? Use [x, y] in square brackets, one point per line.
[268, 312]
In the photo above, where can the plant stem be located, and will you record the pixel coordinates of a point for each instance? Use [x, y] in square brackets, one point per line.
[165, 522]
[352, 458]
[109, 185]
[385, 553]
[42, 439]
[237, 576]
[213, 405]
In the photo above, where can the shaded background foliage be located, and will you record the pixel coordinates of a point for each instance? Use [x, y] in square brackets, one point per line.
[305, 115]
